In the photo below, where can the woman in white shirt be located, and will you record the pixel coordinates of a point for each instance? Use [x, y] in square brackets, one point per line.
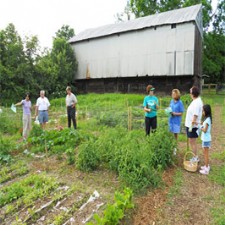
[193, 119]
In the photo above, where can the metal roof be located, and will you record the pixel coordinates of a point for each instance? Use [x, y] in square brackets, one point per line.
[183, 15]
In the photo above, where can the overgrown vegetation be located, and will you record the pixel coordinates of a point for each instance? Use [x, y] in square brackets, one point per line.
[115, 212]
[137, 159]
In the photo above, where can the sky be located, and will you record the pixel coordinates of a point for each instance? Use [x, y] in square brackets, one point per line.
[45, 17]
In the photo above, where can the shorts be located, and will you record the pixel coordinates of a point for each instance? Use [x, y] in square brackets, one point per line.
[206, 144]
[193, 133]
[43, 116]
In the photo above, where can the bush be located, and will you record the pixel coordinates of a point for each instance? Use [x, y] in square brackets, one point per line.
[5, 148]
[88, 156]
[115, 212]
[136, 158]
[162, 143]
[7, 125]
[67, 138]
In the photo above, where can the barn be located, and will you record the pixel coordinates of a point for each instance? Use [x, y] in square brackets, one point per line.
[164, 50]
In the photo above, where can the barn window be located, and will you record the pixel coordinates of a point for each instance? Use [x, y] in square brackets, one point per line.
[173, 26]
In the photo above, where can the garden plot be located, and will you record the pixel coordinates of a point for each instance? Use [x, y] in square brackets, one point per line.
[40, 199]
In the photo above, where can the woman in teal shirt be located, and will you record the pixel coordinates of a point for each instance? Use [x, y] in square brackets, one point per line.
[151, 104]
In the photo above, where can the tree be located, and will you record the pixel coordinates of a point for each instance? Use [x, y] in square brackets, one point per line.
[65, 32]
[12, 60]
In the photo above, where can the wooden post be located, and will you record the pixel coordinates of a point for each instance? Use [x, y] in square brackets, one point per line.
[129, 119]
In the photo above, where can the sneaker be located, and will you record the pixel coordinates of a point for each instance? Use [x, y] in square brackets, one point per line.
[195, 159]
[205, 171]
[203, 167]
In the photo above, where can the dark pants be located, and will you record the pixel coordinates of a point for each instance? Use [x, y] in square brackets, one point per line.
[150, 123]
[71, 112]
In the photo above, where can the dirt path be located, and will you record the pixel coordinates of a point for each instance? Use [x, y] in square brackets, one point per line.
[195, 196]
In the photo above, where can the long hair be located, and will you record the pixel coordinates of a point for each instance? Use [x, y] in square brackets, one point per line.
[208, 111]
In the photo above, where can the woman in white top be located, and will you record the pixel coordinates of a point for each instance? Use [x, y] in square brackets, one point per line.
[193, 119]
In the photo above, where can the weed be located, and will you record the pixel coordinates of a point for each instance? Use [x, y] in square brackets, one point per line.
[70, 156]
[178, 180]
[5, 149]
[115, 212]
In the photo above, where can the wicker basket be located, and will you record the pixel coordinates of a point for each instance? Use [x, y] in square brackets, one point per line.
[188, 165]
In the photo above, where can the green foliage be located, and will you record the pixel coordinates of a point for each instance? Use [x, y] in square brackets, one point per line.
[218, 175]
[213, 58]
[137, 159]
[115, 212]
[31, 187]
[9, 124]
[55, 140]
[65, 32]
[70, 156]
[24, 69]
[5, 149]
[162, 143]
[88, 156]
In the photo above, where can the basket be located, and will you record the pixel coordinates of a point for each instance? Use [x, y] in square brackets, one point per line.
[188, 165]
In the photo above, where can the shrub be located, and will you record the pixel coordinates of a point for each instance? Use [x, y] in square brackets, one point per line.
[7, 124]
[88, 156]
[5, 148]
[162, 143]
[115, 212]
[135, 157]
[67, 138]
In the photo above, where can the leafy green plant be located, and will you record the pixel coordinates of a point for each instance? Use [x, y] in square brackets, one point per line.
[115, 212]
[68, 138]
[28, 189]
[5, 149]
[136, 158]
[70, 156]
[162, 143]
[88, 156]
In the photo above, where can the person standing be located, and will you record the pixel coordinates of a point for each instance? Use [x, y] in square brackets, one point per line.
[177, 108]
[71, 102]
[193, 119]
[26, 104]
[206, 137]
[42, 106]
[150, 104]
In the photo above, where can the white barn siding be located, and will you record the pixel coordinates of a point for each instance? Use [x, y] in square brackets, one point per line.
[160, 52]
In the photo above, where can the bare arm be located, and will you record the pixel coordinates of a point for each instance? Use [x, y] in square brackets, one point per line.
[147, 109]
[177, 113]
[19, 103]
[194, 121]
[204, 129]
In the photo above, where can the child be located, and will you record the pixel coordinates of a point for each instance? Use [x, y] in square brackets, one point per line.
[206, 137]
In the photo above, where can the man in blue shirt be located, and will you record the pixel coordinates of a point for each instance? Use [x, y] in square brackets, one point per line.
[151, 104]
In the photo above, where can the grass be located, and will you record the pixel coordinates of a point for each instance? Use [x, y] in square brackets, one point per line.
[177, 184]
[98, 116]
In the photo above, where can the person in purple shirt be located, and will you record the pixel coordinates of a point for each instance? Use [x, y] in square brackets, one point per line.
[26, 104]
[177, 108]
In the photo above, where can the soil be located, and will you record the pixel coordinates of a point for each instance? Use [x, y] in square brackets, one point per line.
[196, 196]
